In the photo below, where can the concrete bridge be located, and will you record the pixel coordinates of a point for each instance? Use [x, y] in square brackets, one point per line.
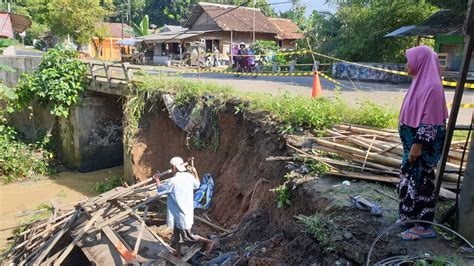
[91, 137]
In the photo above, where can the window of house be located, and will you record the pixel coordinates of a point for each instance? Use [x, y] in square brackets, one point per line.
[280, 44]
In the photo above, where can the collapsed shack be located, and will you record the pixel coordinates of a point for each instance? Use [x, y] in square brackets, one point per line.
[250, 160]
[105, 230]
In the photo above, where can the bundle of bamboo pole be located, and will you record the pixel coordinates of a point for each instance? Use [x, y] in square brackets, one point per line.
[372, 154]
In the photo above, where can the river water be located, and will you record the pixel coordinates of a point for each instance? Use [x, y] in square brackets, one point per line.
[64, 187]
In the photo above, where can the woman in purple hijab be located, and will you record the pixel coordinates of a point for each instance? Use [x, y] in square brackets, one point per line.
[422, 130]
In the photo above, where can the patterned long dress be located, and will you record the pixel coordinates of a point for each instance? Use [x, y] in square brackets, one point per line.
[417, 181]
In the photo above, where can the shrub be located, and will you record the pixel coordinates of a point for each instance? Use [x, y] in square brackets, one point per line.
[108, 184]
[19, 159]
[317, 226]
[56, 84]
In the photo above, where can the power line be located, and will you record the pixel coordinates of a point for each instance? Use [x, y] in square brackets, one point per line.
[210, 19]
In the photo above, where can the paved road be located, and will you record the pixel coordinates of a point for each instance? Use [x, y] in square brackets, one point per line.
[353, 92]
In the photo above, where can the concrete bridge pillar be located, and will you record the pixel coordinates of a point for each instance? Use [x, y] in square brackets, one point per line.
[91, 138]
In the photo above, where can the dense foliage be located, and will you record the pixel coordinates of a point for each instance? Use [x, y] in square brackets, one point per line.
[19, 159]
[76, 19]
[56, 84]
[175, 12]
[356, 31]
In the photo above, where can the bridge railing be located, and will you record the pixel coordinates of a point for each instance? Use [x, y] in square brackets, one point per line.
[111, 72]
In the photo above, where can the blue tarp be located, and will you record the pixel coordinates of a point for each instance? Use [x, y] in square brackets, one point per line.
[129, 42]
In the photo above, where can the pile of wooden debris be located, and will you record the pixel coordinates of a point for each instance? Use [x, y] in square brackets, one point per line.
[108, 229]
[356, 152]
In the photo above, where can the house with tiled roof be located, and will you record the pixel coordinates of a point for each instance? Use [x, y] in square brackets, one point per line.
[288, 32]
[110, 50]
[217, 27]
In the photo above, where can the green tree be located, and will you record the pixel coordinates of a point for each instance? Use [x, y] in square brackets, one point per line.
[100, 33]
[76, 19]
[321, 31]
[175, 12]
[131, 10]
[143, 28]
[296, 13]
[459, 5]
[362, 28]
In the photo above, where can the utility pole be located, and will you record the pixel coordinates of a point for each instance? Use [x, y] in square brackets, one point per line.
[129, 13]
[254, 14]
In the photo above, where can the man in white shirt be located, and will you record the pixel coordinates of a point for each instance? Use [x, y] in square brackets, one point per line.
[180, 216]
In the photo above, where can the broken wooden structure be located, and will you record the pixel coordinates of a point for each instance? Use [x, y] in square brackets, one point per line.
[109, 229]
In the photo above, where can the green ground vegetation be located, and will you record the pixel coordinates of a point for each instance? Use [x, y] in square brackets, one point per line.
[291, 111]
[109, 183]
[317, 226]
[19, 159]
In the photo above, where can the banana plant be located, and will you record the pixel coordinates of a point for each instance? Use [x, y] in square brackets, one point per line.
[143, 28]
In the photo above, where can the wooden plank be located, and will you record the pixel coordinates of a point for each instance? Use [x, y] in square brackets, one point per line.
[79, 236]
[191, 252]
[37, 259]
[140, 234]
[119, 246]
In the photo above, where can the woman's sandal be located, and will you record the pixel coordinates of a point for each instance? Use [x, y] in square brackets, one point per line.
[410, 235]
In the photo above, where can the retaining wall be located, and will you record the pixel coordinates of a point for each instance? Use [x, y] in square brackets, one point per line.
[354, 72]
[21, 64]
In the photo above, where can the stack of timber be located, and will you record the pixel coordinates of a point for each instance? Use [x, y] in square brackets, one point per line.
[372, 154]
[108, 229]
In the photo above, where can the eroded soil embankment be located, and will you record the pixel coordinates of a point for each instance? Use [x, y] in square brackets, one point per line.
[242, 199]
[243, 202]
[237, 164]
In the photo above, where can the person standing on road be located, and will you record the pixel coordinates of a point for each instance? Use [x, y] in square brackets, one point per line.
[422, 128]
[180, 216]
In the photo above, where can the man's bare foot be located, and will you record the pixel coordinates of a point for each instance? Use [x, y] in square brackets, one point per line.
[209, 246]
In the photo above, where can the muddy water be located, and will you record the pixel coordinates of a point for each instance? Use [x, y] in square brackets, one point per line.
[64, 187]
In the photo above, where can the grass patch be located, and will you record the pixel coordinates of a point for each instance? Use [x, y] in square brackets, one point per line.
[108, 184]
[318, 227]
[371, 114]
[460, 135]
[286, 108]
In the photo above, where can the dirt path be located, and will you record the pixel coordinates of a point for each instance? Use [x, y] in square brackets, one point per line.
[64, 187]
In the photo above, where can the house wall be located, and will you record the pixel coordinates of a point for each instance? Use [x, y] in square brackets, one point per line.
[203, 23]
[110, 50]
[224, 38]
[288, 44]
[453, 45]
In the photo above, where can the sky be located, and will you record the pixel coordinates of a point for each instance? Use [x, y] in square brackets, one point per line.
[311, 5]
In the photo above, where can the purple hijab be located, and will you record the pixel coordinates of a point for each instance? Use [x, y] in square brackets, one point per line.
[425, 102]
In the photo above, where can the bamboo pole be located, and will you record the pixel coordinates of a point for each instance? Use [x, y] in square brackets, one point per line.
[370, 155]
